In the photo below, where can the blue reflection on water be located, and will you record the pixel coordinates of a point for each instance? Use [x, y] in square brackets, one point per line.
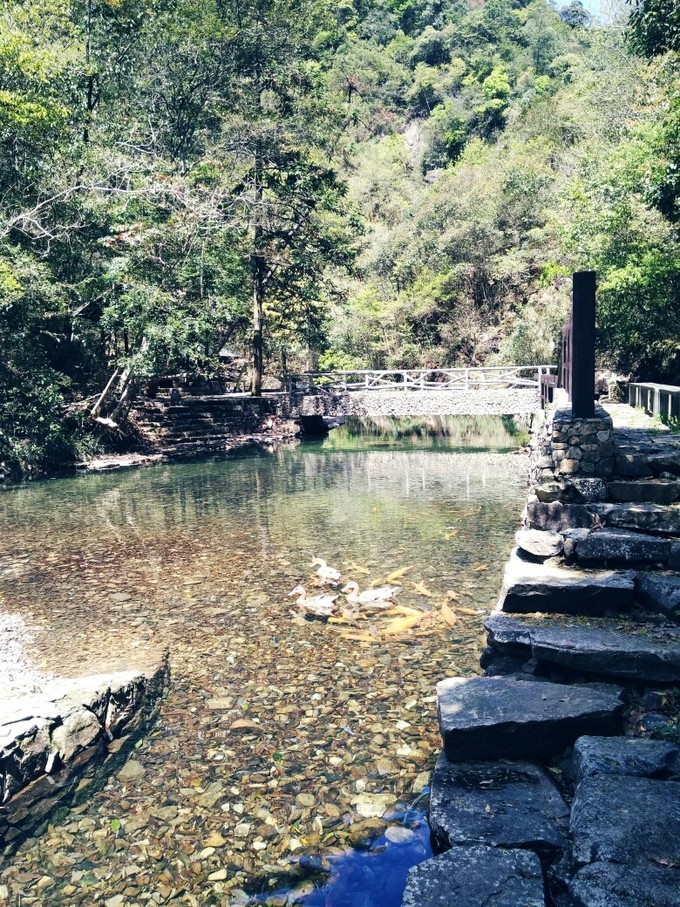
[372, 877]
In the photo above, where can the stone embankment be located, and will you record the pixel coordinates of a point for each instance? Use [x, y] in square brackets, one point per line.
[62, 738]
[559, 782]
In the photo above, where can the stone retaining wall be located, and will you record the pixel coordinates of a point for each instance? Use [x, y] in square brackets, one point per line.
[574, 447]
[473, 402]
[58, 742]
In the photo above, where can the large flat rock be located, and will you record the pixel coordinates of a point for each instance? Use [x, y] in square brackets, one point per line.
[476, 877]
[511, 718]
[530, 586]
[620, 546]
[625, 756]
[660, 592]
[609, 885]
[623, 819]
[503, 804]
[50, 738]
[644, 653]
[642, 517]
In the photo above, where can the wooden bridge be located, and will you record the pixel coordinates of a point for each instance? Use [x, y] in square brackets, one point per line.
[499, 390]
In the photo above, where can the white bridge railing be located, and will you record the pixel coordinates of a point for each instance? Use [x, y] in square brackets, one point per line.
[423, 379]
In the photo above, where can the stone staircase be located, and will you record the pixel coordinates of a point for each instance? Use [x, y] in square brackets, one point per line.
[199, 425]
[551, 758]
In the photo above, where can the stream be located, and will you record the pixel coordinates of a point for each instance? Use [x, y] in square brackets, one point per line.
[291, 759]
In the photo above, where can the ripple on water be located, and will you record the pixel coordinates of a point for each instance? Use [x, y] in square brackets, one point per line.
[280, 737]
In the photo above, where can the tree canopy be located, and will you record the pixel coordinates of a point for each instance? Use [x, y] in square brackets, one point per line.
[372, 183]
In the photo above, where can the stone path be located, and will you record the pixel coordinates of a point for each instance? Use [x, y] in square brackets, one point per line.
[583, 652]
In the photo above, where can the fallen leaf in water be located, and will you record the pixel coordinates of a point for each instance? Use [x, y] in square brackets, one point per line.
[467, 611]
[448, 614]
[452, 595]
[480, 567]
[421, 590]
[450, 535]
[396, 574]
[357, 569]
[402, 624]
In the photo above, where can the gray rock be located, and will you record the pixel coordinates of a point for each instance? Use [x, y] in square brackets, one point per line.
[529, 587]
[557, 516]
[609, 885]
[642, 654]
[503, 804]
[624, 756]
[585, 491]
[668, 461]
[641, 517]
[653, 491]
[622, 819]
[511, 718]
[538, 543]
[660, 592]
[476, 877]
[621, 546]
[631, 465]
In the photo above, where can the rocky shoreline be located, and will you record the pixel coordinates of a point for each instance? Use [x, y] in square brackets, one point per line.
[66, 736]
[559, 780]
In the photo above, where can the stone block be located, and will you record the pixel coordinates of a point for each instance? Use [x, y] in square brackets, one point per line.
[649, 491]
[529, 587]
[557, 516]
[621, 546]
[610, 885]
[502, 804]
[508, 718]
[664, 520]
[538, 543]
[624, 819]
[624, 756]
[569, 466]
[476, 877]
[631, 654]
[660, 592]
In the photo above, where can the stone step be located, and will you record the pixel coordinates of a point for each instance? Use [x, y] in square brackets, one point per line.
[558, 517]
[644, 491]
[610, 649]
[626, 819]
[529, 587]
[476, 877]
[660, 592]
[637, 756]
[503, 804]
[612, 885]
[485, 718]
[616, 547]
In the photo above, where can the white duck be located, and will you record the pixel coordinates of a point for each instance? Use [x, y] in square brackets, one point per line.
[318, 606]
[370, 598]
[327, 575]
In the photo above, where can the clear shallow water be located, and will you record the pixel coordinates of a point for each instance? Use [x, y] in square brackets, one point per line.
[200, 559]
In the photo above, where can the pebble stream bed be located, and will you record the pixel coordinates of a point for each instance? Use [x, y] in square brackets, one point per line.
[291, 759]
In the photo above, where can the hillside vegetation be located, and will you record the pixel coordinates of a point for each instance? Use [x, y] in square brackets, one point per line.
[359, 184]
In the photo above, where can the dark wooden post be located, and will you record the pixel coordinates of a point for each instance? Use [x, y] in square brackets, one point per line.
[583, 348]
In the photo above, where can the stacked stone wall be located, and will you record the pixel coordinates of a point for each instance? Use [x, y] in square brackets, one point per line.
[571, 448]
[473, 402]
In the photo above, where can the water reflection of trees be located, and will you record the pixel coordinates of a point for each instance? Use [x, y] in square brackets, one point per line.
[293, 493]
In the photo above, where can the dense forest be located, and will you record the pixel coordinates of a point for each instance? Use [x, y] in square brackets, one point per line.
[356, 183]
